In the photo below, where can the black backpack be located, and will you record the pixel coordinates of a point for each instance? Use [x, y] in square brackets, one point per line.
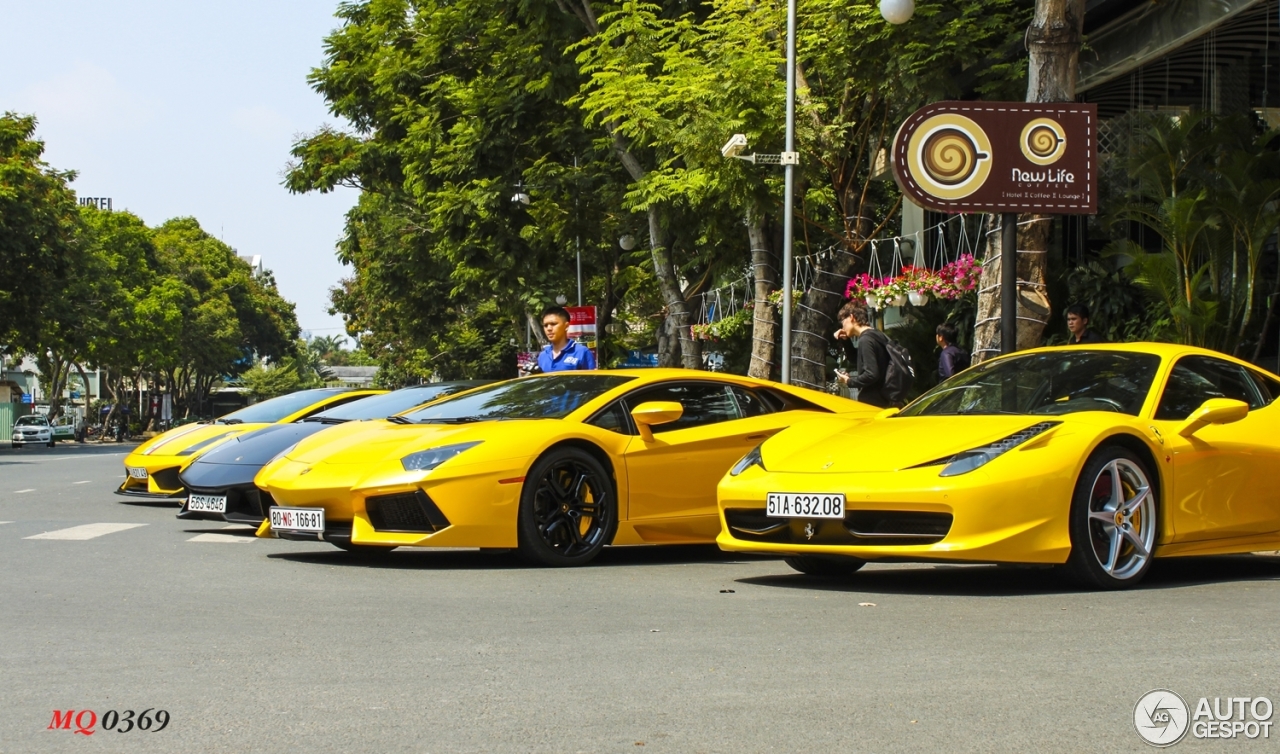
[900, 375]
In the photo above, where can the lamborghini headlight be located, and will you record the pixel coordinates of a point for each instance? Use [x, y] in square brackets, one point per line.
[426, 460]
[754, 458]
[969, 460]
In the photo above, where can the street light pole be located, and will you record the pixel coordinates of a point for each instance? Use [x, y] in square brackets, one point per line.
[788, 190]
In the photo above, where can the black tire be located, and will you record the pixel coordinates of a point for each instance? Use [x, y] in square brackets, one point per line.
[568, 509]
[15, 444]
[52, 443]
[825, 566]
[360, 549]
[1114, 553]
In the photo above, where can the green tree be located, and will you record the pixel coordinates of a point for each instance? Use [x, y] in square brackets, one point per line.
[455, 107]
[673, 86]
[38, 222]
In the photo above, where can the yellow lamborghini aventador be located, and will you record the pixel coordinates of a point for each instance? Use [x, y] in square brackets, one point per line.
[151, 470]
[556, 465]
[1099, 458]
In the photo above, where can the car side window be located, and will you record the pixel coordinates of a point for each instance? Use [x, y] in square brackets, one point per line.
[1267, 387]
[749, 402]
[613, 418]
[704, 403]
[1196, 379]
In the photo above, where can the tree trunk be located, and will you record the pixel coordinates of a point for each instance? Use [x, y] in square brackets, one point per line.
[1053, 46]
[764, 325]
[680, 343]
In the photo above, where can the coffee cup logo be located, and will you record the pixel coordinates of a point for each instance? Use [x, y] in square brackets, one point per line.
[1043, 141]
[950, 155]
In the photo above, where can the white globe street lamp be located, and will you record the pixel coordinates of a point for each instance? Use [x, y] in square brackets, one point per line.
[897, 11]
[627, 242]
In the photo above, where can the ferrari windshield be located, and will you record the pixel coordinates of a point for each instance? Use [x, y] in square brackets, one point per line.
[552, 396]
[275, 409]
[1053, 383]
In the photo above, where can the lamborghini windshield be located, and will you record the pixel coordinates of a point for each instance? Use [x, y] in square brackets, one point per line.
[552, 396]
[1058, 382]
[275, 409]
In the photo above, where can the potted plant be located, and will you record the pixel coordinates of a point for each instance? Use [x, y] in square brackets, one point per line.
[920, 282]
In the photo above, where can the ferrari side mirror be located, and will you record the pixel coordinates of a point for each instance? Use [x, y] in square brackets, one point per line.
[1214, 411]
[655, 412]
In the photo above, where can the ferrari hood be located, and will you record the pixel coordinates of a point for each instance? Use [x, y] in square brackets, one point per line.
[832, 446]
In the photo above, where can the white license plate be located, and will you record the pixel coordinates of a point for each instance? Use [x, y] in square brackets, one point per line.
[298, 519]
[805, 505]
[137, 473]
[207, 503]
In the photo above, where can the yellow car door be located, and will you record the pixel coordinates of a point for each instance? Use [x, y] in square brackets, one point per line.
[675, 475]
[1223, 474]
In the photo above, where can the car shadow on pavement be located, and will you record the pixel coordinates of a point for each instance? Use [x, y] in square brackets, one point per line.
[1011, 581]
[405, 558]
[144, 502]
[229, 530]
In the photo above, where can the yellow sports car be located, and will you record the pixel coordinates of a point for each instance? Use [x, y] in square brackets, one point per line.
[1096, 457]
[151, 470]
[556, 465]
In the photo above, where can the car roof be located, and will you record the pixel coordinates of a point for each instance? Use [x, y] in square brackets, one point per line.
[1166, 351]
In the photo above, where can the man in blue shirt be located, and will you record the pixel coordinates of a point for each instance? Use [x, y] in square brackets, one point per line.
[562, 354]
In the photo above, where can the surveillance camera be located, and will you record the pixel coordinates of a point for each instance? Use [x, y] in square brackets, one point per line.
[734, 146]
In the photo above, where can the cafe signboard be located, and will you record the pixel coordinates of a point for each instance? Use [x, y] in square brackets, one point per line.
[1000, 157]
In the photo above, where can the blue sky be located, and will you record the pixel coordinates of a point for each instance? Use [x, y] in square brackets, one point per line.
[186, 108]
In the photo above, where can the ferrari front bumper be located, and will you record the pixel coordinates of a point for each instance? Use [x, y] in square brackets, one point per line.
[906, 515]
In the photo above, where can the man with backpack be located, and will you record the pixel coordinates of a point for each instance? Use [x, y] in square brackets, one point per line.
[884, 374]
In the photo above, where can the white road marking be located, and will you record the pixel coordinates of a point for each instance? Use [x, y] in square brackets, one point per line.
[223, 538]
[86, 531]
[87, 481]
[6, 522]
[19, 492]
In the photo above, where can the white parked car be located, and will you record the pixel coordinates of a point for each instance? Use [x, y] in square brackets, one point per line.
[32, 430]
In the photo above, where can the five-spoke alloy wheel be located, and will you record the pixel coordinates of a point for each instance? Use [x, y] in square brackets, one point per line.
[1113, 520]
[568, 511]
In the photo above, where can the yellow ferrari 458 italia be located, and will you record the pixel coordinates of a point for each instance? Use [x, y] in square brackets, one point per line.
[151, 470]
[1099, 458]
[556, 465]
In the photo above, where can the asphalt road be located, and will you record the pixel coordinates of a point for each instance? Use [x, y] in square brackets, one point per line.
[265, 645]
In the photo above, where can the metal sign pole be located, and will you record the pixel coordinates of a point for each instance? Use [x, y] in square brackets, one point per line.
[1008, 282]
[789, 186]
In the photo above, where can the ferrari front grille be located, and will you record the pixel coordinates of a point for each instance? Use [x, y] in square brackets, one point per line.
[407, 512]
[862, 528]
[897, 524]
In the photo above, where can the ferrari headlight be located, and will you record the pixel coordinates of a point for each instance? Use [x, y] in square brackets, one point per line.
[969, 460]
[426, 460]
[754, 458]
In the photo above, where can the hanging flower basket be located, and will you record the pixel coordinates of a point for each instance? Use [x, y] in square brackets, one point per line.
[918, 298]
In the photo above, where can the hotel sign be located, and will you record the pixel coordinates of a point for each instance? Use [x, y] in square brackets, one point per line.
[1000, 157]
